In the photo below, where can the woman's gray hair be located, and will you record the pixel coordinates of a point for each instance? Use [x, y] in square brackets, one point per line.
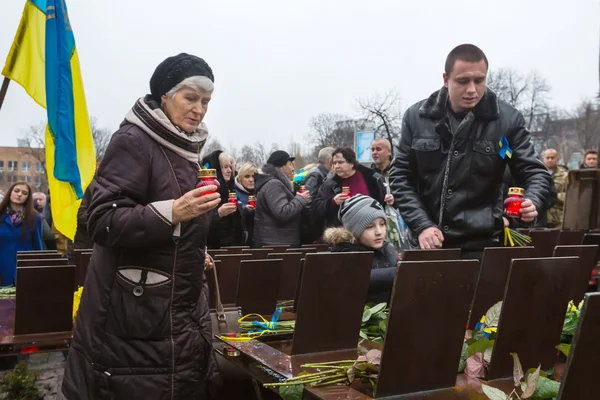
[196, 83]
[325, 155]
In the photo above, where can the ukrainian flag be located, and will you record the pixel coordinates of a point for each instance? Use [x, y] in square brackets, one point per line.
[43, 59]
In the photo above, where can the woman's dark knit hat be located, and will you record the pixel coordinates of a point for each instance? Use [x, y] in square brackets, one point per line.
[174, 70]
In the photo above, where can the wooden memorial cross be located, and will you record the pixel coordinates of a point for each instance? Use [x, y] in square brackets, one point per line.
[417, 355]
[431, 255]
[228, 274]
[44, 299]
[544, 241]
[587, 262]
[493, 276]
[570, 237]
[257, 286]
[300, 273]
[258, 254]
[216, 252]
[290, 273]
[591, 239]
[583, 368]
[235, 249]
[533, 313]
[333, 291]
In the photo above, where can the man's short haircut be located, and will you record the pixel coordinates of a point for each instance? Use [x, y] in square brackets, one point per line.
[467, 53]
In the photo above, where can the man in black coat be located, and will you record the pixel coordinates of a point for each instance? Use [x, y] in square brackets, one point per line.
[453, 152]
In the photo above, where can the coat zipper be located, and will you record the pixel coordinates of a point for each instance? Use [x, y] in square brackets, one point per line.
[448, 164]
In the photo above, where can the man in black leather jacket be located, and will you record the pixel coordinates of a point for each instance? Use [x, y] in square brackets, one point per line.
[454, 148]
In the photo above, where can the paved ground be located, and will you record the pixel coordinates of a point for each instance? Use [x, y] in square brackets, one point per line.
[50, 368]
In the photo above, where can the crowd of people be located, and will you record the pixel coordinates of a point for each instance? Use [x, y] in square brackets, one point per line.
[144, 311]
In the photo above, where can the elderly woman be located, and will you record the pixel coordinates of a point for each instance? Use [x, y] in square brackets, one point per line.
[227, 227]
[143, 329]
[278, 209]
[244, 187]
[20, 229]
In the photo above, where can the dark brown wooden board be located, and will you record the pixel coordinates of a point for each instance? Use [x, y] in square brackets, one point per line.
[257, 286]
[587, 262]
[46, 263]
[571, 237]
[321, 247]
[582, 369]
[591, 239]
[303, 250]
[36, 255]
[333, 292]
[431, 255]
[228, 274]
[544, 241]
[44, 299]
[533, 313]
[493, 275]
[258, 254]
[290, 272]
[235, 249]
[416, 355]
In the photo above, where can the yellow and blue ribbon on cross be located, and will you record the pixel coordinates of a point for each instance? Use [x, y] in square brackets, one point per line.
[505, 150]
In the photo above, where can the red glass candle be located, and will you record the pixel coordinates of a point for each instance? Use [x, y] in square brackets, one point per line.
[302, 189]
[346, 190]
[512, 204]
[232, 198]
[252, 201]
[207, 177]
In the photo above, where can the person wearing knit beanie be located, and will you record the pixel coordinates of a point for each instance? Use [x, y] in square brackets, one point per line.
[175, 70]
[364, 229]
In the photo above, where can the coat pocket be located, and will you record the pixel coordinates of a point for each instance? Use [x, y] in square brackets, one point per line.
[139, 306]
[486, 160]
[428, 154]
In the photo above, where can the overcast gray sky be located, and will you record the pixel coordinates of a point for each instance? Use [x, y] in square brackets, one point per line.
[278, 63]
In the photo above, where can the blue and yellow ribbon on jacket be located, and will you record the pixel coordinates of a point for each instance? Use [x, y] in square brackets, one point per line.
[43, 59]
[505, 150]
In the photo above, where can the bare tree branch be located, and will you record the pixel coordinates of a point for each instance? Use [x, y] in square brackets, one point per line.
[384, 112]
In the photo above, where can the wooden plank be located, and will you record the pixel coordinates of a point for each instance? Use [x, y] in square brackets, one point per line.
[300, 273]
[583, 368]
[257, 286]
[427, 295]
[321, 247]
[536, 295]
[277, 249]
[229, 273]
[45, 263]
[38, 255]
[333, 291]
[258, 254]
[44, 299]
[290, 271]
[591, 239]
[544, 241]
[571, 237]
[587, 262]
[235, 249]
[215, 252]
[493, 276]
[303, 250]
[431, 255]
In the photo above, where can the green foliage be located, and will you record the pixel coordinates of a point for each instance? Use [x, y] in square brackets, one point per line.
[374, 322]
[20, 384]
[291, 392]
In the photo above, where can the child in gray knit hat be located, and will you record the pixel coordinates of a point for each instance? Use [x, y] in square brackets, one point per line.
[364, 229]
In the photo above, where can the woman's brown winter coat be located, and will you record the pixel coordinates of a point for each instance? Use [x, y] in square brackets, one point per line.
[134, 339]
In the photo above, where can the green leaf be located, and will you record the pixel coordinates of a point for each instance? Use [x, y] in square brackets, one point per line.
[383, 327]
[517, 369]
[478, 335]
[291, 392]
[532, 381]
[532, 370]
[378, 308]
[479, 347]
[492, 316]
[487, 354]
[493, 393]
[366, 315]
[564, 348]
[363, 335]
[546, 389]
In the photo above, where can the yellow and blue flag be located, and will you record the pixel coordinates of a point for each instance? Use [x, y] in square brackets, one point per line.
[43, 60]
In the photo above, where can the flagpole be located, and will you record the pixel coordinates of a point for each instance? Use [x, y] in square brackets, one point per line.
[3, 91]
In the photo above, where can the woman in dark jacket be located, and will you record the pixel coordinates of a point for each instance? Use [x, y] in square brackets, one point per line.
[244, 187]
[143, 327]
[278, 209]
[226, 227]
[348, 173]
[364, 229]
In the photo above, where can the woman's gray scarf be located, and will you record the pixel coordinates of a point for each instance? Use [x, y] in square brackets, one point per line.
[147, 115]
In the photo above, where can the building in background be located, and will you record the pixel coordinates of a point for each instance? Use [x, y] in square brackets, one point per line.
[23, 164]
